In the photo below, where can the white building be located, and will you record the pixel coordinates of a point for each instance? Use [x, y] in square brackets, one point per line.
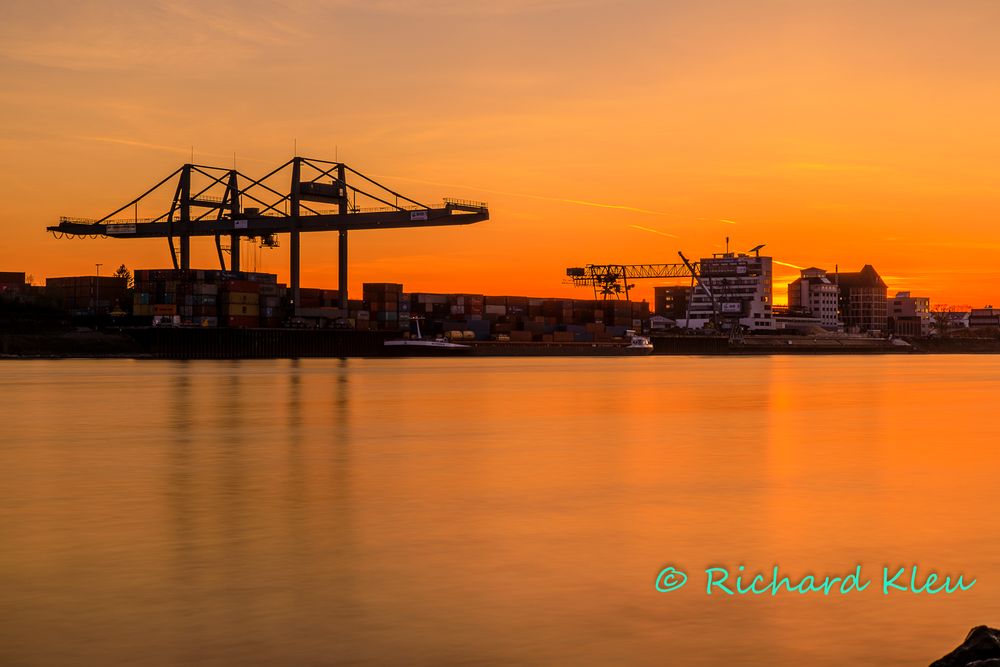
[813, 293]
[740, 288]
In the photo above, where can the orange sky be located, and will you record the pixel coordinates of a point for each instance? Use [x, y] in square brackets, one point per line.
[836, 132]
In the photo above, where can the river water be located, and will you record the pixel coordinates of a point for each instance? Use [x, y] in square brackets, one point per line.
[491, 511]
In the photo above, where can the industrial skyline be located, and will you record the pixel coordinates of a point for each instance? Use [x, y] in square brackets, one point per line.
[837, 133]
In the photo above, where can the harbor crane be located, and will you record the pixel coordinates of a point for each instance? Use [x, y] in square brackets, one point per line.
[216, 202]
[612, 281]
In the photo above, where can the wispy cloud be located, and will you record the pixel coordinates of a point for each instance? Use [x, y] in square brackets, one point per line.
[120, 36]
[830, 166]
[653, 231]
[728, 222]
[466, 7]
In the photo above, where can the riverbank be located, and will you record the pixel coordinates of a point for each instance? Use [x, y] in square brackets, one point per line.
[221, 343]
[70, 344]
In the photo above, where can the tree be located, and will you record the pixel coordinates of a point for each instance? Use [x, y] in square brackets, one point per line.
[123, 272]
[944, 317]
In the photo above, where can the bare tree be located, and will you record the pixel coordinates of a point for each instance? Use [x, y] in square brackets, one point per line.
[943, 317]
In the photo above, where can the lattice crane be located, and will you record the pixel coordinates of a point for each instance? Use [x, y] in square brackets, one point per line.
[613, 280]
[216, 202]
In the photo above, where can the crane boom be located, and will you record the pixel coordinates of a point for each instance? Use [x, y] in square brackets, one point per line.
[612, 280]
[702, 285]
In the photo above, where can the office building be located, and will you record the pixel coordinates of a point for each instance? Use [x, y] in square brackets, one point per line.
[815, 295]
[863, 300]
[909, 315]
[738, 291]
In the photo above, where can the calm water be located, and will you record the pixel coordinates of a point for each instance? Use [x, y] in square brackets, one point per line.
[490, 511]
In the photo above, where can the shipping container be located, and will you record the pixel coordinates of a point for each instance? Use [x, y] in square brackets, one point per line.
[241, 286]
[244, 298]
[12, 277]
[240, 309]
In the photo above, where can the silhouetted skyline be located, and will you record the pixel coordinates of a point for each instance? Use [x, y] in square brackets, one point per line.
[837, 133]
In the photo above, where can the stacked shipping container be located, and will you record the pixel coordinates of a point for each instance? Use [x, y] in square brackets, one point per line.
[209, 298]
[382, 300]
[218, 298]
[528, 319]
[12, 283]
[87, 293]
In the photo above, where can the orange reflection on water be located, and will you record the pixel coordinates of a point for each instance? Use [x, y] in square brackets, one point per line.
[493, 511]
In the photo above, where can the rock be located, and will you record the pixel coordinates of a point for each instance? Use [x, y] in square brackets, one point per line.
[981, 648]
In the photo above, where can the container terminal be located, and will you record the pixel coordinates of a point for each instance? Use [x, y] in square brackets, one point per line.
[723, 304]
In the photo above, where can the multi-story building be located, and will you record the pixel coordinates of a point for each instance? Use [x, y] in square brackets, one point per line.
[671, 301]
[814, 294]
[909, 315]
[984, 317]
[740, 287]
[863, 300]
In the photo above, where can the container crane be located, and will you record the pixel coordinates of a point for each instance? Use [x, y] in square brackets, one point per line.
[613, 280]
[217, 202]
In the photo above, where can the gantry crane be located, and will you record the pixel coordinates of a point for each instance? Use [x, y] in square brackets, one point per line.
[612, 280]
[216, 202]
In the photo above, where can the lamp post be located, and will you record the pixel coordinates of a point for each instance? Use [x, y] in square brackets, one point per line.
[97, 298]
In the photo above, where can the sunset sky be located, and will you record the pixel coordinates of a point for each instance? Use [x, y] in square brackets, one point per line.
[835, 132]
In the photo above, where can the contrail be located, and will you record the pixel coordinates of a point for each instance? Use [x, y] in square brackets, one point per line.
[791, 266]
[561, 200]
[138, 144]
[728, 222]
[593, 203]
[169, 149]
[654, 231]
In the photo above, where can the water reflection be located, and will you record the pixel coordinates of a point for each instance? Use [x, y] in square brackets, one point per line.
[492, 511]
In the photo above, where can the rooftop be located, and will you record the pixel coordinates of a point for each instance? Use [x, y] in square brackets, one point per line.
[866, 277]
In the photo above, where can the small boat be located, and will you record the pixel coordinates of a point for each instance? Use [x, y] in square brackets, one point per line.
[638, 344]
[424, 347]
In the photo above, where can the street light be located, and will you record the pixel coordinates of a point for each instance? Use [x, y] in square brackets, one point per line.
[97, 298]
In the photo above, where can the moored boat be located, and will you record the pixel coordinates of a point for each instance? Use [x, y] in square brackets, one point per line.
[424, 347]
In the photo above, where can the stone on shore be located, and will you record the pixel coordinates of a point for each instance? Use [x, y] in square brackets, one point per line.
[981, 648]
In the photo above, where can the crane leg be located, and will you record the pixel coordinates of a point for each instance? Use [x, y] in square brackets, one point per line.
[294, 261]
[234, 252]
[342, 268]
[173, 251]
